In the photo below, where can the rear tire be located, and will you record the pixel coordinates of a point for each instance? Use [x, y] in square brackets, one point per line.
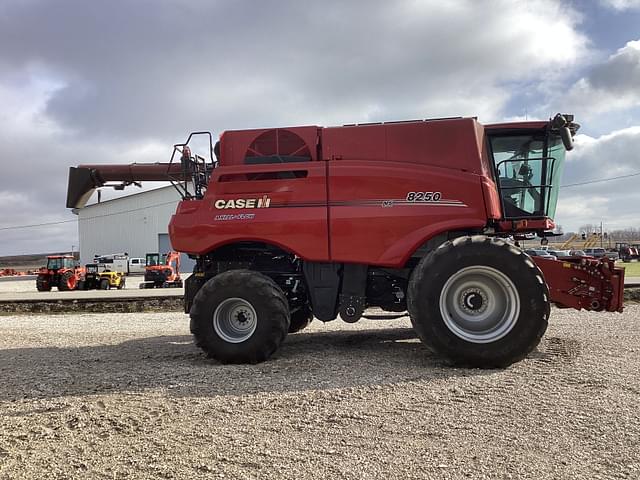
[239, 316]
[104, 284]
[300, 319]
[42, 284]
[122, 283]
[479, 301]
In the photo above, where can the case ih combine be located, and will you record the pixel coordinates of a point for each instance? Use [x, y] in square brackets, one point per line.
[288, 224]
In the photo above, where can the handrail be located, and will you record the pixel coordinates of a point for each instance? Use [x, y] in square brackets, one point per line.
[544, 188]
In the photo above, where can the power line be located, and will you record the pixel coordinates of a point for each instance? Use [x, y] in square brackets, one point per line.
[589, 182]
[17, 227]
[174, 202]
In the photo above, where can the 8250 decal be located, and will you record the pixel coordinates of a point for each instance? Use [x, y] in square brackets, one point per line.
[424, 196]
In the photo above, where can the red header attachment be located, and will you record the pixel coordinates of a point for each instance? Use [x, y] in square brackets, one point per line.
[584, 283]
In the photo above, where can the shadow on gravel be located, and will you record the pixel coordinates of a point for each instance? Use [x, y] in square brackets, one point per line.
[306, 361]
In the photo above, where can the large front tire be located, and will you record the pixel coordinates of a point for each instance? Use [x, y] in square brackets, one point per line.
[239, 316]
[479, 301]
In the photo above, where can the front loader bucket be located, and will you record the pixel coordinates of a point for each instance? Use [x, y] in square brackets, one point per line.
[82, 183]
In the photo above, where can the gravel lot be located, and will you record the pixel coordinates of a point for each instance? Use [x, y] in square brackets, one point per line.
[129, 396]
[29, 285]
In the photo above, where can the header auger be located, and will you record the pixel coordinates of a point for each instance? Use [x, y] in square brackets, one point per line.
[288, 224]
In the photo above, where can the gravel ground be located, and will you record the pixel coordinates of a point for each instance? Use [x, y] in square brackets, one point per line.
[17, 285]
[29, 286]
[129, 396]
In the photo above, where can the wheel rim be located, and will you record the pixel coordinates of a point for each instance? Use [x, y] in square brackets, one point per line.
[71, 283]
[235, 320]
[479, 304]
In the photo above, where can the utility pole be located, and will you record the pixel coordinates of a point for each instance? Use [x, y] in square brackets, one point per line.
[601, 235]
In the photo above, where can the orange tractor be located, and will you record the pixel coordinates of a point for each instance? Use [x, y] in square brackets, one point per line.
[62, 271]
[162, 271]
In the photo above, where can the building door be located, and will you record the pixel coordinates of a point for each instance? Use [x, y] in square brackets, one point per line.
[164, 246]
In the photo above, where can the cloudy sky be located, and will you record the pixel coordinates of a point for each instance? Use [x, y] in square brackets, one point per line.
[121, 81]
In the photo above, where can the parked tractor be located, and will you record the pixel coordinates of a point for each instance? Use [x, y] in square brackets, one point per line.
[62, 271]
[290, 224]
[162, 271]
[93, 279]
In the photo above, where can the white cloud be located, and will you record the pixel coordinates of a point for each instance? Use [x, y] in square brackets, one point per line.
[613, 85]
[287, 62]
[616, 202]
[622, 5]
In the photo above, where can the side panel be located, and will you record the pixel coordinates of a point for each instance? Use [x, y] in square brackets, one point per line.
[379, 213]
[281, 204]
[454, 144]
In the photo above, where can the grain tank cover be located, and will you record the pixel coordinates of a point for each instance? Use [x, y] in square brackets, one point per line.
[449, 143]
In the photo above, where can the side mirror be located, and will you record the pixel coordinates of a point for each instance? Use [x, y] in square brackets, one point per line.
[561, 123]
[567, 139]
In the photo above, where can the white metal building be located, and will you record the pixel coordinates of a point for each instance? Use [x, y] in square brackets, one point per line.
[136, 224]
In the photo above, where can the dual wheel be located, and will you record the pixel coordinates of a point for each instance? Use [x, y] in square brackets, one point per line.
[477, 301]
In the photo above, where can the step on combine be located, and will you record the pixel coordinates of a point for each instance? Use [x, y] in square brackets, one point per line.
[291, 224]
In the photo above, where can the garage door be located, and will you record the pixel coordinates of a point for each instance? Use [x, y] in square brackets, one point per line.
[164, 246]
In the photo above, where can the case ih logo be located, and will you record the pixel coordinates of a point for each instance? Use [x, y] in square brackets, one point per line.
[243, 203]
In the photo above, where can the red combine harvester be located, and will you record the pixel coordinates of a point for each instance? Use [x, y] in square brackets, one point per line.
[288, 224]
[162, 271]
[62, 271]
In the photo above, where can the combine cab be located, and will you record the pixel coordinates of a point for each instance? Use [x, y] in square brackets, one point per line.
[162, 271]
[290, 224]
[61, 271]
